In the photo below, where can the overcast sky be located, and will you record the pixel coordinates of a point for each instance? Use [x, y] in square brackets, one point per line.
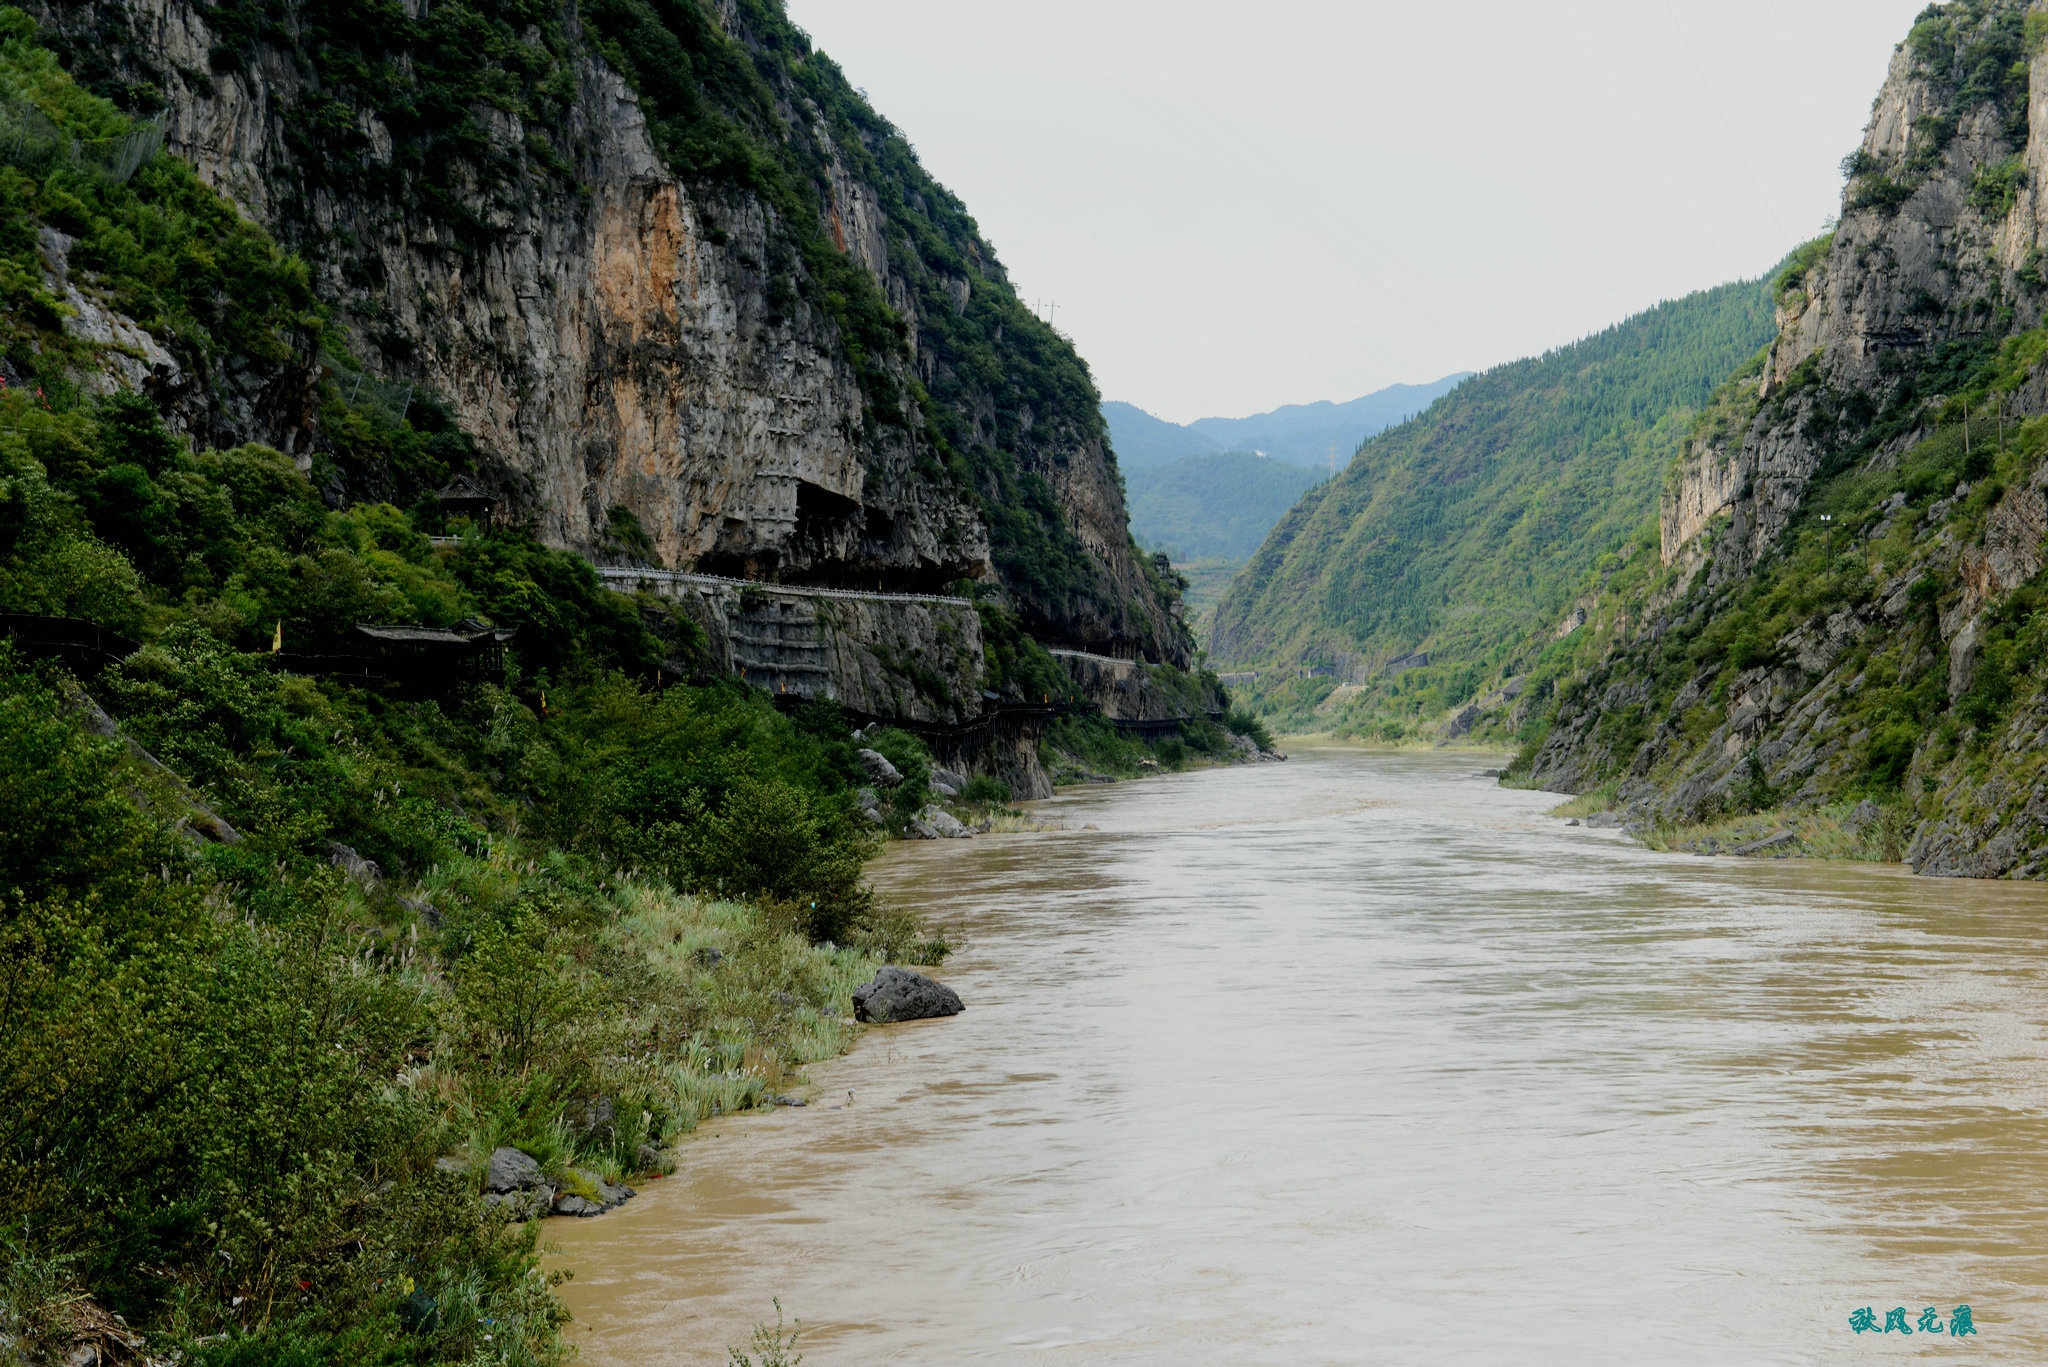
[1239, 206]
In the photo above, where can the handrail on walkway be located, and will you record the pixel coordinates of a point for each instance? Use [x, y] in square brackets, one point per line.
[1091, 655]
[71, 638]
[618, 575]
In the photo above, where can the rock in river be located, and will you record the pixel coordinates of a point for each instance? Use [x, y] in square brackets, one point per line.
[897, 994]
[936, 823]
[605, 1195]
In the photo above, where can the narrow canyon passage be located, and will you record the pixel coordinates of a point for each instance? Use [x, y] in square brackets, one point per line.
[1362, 1059]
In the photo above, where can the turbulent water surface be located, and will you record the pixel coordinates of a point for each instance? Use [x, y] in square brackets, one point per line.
[1362, 1059]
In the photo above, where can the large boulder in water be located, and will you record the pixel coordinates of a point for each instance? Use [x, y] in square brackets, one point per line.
[936, 823]
[897, 994]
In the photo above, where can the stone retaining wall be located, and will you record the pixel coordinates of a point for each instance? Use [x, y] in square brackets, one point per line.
[911, 656]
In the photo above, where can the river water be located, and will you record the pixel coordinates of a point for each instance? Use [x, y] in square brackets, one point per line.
[1362, 1059]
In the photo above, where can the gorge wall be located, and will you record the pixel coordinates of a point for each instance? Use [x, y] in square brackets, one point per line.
[691, 301]
[1846, 609]
[1937, 253]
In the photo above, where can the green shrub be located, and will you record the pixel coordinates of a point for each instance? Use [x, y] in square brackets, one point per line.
[1888, 754]
[768, 840]
[1242, 723]
[1879, 192]
[1748, 650]
[512, 997]
[912, 760]
[68, 830]
[1996, 188]
[985, 791]
[1985, 706]
[1754, 793]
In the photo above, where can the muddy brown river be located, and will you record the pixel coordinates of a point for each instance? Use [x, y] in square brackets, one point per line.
[1361, 1059]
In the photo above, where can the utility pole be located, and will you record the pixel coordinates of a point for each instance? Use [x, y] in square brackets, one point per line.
[1333, 460]
[1827, 522]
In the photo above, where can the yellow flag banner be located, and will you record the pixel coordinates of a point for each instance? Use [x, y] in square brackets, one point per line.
[277, 640]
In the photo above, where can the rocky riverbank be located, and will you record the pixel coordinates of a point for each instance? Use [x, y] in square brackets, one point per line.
[1859, 830]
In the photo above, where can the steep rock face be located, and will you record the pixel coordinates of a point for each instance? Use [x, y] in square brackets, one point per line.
[622, 321]
[1851, 611]
[1706, 481]
[599, 348]
[1938, 249]
[1127, 690]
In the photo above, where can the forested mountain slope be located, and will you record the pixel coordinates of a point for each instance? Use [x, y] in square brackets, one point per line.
[687, 294]
[1842, 639]
[1465, 529]
[1142, 441]
[1216, 506]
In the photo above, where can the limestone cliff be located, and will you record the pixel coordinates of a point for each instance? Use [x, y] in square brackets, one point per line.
[1846, 635]
[1938, 253]
[667, 268]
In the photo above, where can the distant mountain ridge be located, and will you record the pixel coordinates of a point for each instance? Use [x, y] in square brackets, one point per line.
[1142, 442]
[1302, 433]
[1462, 532]
[1214, 506]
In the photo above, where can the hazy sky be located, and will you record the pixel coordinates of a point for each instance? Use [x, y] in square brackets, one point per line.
[1239, 206]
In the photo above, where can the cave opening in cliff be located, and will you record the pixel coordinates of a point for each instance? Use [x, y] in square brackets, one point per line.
[822, 512]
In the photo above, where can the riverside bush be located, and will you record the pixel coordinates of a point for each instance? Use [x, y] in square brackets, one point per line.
[229, 1069]
[247, 1089]
[912, 760]
[1240, 722]
[1093, 744]
[985, 791]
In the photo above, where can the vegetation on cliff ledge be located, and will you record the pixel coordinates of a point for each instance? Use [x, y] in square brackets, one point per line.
[1847, 636]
